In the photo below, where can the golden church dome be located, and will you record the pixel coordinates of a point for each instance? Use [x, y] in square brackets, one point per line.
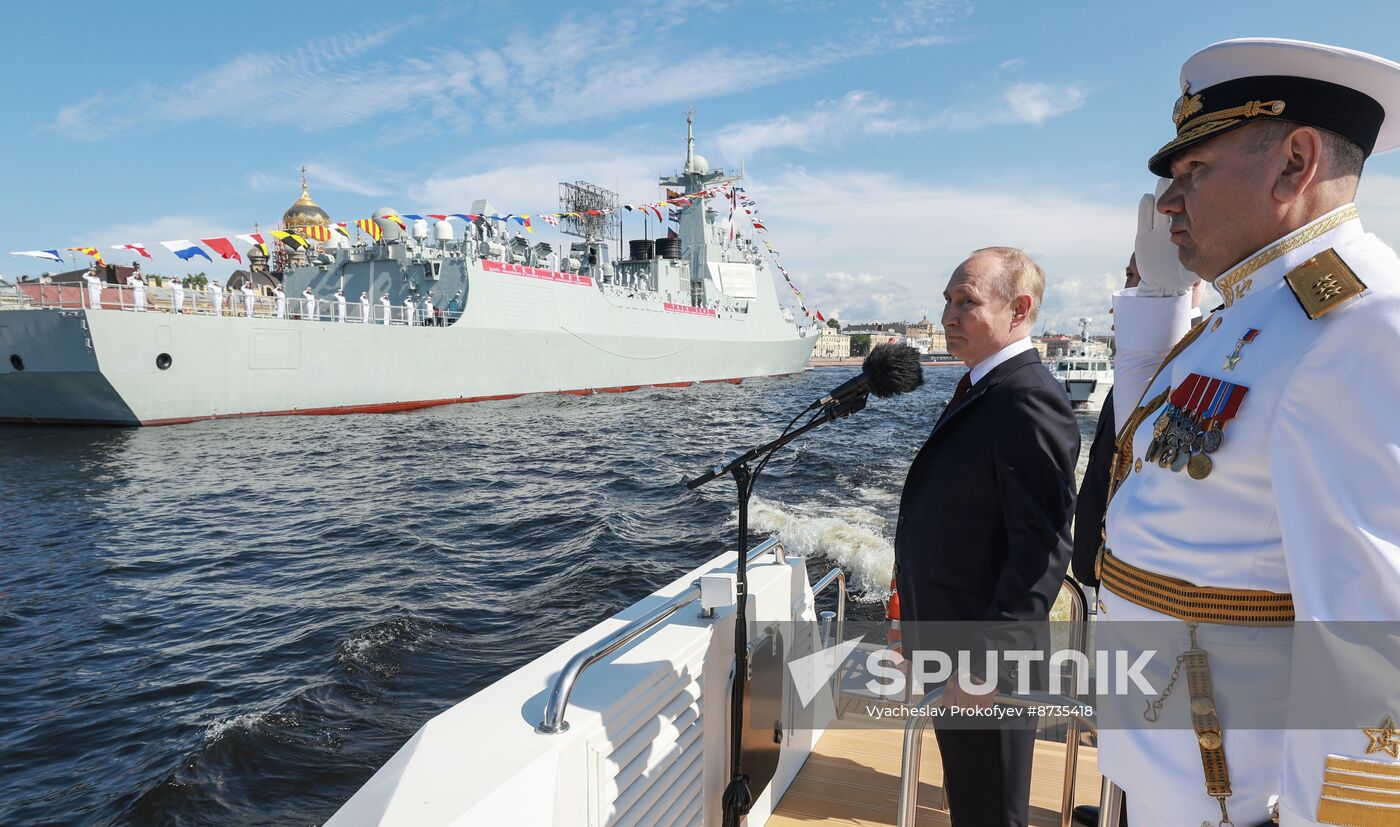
[304, 212]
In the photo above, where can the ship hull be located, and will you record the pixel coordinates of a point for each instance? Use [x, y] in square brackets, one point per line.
[105, 366]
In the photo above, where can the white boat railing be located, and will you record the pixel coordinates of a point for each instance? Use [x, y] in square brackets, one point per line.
[557, 706]
[194, 301]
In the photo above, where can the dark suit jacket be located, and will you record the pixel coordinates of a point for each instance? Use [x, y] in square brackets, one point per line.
[1093, 499]
[984, 522]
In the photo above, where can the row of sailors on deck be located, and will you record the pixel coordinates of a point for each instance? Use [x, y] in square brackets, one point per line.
[411, 312]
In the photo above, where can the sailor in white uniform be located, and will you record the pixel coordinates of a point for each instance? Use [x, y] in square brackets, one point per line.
[248, 298]
[408, 311]
[177, 296]
[138, 290]
[94, 285]
[364, 308]
[388, 308]
[280, 296]
[428, 310]
[216, 297]
[340, 306]
[1257, 478]
[308, 304]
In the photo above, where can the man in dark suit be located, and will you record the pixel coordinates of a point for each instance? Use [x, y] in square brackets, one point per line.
[984, 522]
[1093, 491]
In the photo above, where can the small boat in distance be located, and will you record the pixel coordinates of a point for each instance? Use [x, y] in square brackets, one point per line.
[1086, 371]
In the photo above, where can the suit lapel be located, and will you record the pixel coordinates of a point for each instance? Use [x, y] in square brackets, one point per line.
[991, 380]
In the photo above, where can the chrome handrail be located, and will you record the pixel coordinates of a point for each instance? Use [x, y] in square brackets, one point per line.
[914, 743]
[838, 576]
[1110, 797]
[558, 703]
[1079, 636]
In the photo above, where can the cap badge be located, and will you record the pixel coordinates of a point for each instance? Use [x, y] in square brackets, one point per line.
[1186, 106]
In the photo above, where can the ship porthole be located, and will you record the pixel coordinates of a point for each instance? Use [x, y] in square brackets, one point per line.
[16, 362]
[163, 361]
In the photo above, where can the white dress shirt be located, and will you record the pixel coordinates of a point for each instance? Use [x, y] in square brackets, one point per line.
[985, 366]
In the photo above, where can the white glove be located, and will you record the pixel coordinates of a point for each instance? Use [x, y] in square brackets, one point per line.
[1157, 261]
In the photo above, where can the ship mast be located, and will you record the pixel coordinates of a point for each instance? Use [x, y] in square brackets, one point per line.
[690, 139]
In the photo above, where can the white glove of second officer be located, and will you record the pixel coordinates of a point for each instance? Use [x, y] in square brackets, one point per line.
[1157, 261]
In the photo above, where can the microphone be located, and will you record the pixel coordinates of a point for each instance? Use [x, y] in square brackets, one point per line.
[888, 370]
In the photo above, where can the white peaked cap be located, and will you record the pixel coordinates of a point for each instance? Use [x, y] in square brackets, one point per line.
[1258, 79]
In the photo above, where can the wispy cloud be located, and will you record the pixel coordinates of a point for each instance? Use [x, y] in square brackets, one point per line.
[322, 177]
[836, 263]
[333, 81]
[1031, 103]
[861, 113]
[535, 183]
[1036, 103]
[857, 113]
[577, 68]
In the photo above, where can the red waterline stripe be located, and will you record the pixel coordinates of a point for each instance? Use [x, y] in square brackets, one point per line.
[395, 407]
[387, 407]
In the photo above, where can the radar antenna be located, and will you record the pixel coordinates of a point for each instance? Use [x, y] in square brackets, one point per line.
[595, 211]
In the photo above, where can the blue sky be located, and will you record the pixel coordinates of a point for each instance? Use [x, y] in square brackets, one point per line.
[882, 140]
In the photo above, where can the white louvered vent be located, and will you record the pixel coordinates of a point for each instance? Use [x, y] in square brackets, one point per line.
[648, 767]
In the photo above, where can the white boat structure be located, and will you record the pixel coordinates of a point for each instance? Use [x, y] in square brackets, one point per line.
[511, 318]
[1086, 371]
[629, 724]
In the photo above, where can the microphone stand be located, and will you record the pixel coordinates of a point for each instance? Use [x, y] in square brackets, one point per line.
[738, 798]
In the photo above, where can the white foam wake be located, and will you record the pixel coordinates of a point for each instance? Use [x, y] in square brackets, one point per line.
[849, 536]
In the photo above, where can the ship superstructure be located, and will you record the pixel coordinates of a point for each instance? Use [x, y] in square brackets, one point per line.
[1086, 371]
[424, 315]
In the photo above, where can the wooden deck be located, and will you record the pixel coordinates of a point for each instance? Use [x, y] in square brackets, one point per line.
[852, 778]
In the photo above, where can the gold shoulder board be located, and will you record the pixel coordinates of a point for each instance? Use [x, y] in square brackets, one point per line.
[1323, 283]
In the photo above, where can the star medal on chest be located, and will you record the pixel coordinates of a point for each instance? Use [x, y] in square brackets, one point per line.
[1234, 358]
[1192, 426]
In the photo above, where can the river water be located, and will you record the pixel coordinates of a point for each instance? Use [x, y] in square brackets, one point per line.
[239, 621]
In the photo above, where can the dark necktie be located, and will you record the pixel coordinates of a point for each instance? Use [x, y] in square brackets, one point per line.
[964, 385]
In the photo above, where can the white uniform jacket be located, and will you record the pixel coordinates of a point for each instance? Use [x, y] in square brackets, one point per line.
[1303, 497]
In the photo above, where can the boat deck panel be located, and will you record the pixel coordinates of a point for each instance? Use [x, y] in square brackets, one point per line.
[852, 778]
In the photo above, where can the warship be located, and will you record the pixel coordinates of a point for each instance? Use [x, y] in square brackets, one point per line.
[417, 317]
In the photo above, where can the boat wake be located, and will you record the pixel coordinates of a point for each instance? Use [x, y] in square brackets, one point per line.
[850, 536]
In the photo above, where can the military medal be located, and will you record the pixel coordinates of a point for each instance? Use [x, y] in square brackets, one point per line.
[1193, 425]
[1234, 358]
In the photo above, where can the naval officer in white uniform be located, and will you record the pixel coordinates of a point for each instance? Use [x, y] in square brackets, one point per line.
[340, 306]
[308, 304]
[138, 290]
[216, 297]
[280, 296]
[364, 308]
[388, 308]
[1257, 498]
[94, 285]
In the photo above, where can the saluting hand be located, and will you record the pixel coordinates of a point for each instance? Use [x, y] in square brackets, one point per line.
[1157, 260]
